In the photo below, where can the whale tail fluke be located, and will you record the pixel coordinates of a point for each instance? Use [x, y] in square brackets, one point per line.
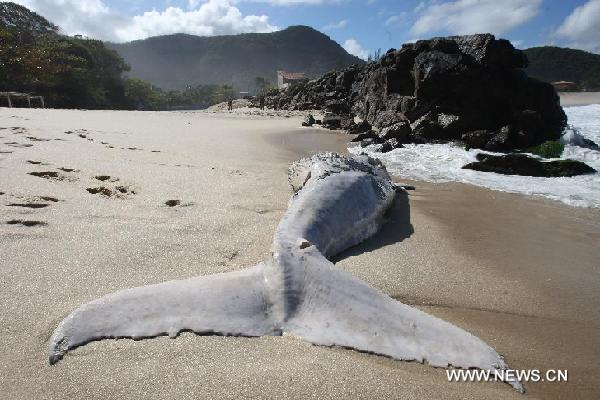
[341, 310]
[234, 303]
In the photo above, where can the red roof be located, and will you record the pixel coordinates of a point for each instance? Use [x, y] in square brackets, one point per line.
[292, 75]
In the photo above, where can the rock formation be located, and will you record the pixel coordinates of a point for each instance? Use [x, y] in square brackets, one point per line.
[463, 88]
[521, 164]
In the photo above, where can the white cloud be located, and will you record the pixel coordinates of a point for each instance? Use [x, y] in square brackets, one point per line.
[473, 16]
[353, 47]
[336, 25]
[582, 27]
[395, 19]
[94, 19]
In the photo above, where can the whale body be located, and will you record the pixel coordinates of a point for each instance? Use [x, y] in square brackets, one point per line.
[338, 202]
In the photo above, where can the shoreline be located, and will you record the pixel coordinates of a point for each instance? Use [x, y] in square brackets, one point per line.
[475, 257]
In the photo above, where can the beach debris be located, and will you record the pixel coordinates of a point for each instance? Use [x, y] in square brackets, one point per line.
[172, 203]
[522, 164]
[338, 202]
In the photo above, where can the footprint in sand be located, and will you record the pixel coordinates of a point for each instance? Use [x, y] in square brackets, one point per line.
[104, 178]
[53, 175]
[119, 192]
[46, 174]
[15, 144]
[48, 198]
[29, 205]
[26, 223]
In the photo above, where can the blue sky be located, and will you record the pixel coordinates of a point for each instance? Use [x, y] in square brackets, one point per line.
[361, 26]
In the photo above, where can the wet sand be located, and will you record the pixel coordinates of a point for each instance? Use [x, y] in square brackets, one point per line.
[513, 270]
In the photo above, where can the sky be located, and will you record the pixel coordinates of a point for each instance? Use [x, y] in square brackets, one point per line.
[360, 26]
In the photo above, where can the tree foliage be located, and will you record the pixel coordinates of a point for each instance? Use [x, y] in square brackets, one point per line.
[77, 72]
[554, 64]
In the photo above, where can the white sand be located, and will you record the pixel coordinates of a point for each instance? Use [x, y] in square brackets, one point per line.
[230, 175]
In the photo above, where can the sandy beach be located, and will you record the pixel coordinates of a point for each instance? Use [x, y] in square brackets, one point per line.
[519, 272]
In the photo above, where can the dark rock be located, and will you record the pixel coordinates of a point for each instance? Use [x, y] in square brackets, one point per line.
[361, 127]
[369, 141]
[332, 121]
[387, 118]
[477, 139]
[400, 130]
[366, 135]
[521, 164]
[309, 120]
[346, 122]
[390, 145]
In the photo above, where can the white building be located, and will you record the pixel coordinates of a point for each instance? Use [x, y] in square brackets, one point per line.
[286, 79]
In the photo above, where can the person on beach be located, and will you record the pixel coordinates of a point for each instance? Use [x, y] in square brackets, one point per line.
[261, 101]
[230, 104]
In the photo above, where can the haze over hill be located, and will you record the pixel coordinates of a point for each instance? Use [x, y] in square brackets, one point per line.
[553, 64]
[176, 61]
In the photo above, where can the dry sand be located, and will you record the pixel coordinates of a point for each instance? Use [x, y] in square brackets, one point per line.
[516, 271]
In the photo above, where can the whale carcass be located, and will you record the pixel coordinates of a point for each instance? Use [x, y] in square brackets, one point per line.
[338, 202]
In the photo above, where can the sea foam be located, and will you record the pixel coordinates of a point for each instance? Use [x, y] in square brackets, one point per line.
[443, 163]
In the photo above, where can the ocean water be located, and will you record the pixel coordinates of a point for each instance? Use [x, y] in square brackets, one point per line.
[443, 162]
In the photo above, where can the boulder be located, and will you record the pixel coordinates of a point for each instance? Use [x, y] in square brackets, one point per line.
[390, 145]
[309, 120]
[400, 130]
[361, 127]
[521, 164]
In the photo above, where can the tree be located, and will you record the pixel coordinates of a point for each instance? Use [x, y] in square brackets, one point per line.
[142, 96]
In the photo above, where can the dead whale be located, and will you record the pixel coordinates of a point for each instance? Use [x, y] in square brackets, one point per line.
[338, 202]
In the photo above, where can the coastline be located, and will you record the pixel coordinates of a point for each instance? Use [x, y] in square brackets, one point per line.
[475, 257]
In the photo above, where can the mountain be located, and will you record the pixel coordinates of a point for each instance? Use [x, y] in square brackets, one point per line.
[554, 64]
[20, 20]
[181, 60]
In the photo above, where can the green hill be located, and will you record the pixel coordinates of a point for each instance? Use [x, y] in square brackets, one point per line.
[554, 64]
[181, 60]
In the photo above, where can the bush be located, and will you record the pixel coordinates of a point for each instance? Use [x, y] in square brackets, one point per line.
[549, 149]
